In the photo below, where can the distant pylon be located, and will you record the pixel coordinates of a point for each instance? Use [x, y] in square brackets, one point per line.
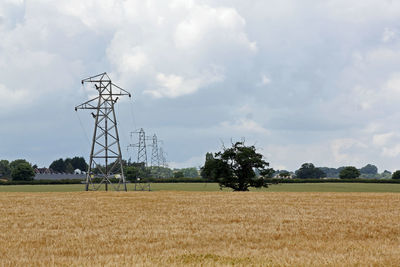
[155, 160]
[141, 160]
[162, 158]
[141, 147]
[105, 155]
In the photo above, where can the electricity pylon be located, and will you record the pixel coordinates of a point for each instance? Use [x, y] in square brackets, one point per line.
[155, 159]
[162, 158]
[105, 155]
[141, 159]
[141, 145]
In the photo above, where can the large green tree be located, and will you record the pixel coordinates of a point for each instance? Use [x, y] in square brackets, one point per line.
[79, 163]
[22, 171]
[309, 171]
[16, 162]
[349, 172]
[235, 167]
[369, 169]
[58, 165]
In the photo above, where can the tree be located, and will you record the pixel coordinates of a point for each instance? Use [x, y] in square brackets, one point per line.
[137, 170]
[5, 168]
[22, 171]
[178, 174]
[235, 168]
[16, 162]
[369, 169]
[79, 163]
[349, 172]
[58, 165]
[386, 174]
[309, 171]
[209, 170]
[396, 175]
[69, 168]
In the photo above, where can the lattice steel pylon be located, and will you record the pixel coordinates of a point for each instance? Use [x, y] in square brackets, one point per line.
[155, 159]
[162, 158]
[141, 160]
[141, 145]
[142, 150]
[105, 155]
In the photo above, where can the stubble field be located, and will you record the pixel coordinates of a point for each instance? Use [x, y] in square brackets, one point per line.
[199, 228]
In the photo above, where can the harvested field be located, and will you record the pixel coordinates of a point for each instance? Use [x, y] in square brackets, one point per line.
[200, 228]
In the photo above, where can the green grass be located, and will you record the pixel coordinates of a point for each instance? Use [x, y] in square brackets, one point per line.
[306, 187]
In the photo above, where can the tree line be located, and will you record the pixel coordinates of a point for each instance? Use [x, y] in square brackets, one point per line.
[18, 170]
[238, 167]
[309, 171]
[22, 170]
[241, 167]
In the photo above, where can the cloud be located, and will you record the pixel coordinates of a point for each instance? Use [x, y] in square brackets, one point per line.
[388, 35]
[201, 71]
[205, 25]
[196, 161]
[382, 139]
[243, 126]
[13, 98]
[342, 150]
[392, 151]
[173, 86]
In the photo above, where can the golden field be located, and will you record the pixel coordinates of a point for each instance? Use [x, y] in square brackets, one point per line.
[199, 228]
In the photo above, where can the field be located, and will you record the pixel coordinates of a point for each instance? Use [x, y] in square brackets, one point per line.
[199, 228]
[212, 187]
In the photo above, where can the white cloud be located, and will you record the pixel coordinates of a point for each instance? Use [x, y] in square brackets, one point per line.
[340, 81]
[391, 152]
[13, 98]
[344, 149]
[173, 86]
[382, 139]
[133, 60]
[196, 161]
[243, 126]
[205, 25]
[388, 35]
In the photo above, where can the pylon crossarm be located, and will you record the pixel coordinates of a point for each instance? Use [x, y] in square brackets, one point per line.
[96, 78]
[123, 90]
[87, 104]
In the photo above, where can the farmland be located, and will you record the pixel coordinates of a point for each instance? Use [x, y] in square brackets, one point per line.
[199, 228]
[213, 187]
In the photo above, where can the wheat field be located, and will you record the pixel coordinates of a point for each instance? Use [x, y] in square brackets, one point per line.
[199, 229]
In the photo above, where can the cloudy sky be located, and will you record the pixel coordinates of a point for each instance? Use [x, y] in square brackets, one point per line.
[305, 81]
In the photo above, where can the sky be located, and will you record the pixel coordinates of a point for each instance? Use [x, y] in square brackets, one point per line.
[303, 81]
